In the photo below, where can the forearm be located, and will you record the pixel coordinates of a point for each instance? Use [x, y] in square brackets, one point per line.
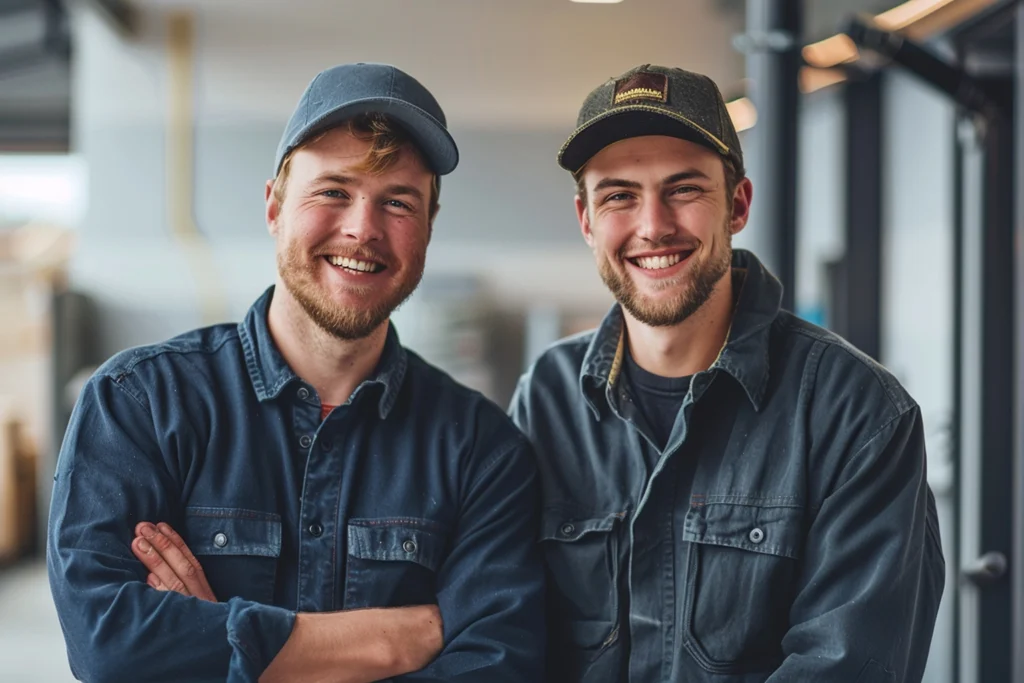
[130, 632]
[359, 646]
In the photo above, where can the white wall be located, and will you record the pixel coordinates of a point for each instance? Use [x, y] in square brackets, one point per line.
[510, 76]
[917, 294]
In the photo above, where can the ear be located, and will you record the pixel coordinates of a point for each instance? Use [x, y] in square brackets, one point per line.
[273, 207]
[583, 216]
[430, 223]
[742, 197]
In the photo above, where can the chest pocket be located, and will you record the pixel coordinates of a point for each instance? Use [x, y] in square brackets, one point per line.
[740, 580]
[582, 558]
[238, 549]
[393, 562]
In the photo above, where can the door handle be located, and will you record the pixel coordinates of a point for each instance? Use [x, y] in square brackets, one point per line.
[986, 569]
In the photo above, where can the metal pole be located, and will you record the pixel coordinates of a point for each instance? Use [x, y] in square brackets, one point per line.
[772, 45]
[861, 323]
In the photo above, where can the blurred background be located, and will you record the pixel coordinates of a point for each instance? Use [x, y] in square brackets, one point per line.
[136, 137]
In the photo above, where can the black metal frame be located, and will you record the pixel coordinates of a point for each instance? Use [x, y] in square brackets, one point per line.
[998, 526]
[857, 312]
[772, 43]
[990, 104]
[1017, 481]
[997, 351]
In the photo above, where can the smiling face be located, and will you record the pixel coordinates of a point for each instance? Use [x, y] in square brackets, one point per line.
[351, 237]
[659, 215]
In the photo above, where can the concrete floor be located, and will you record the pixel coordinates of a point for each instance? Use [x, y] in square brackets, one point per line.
[31, 644]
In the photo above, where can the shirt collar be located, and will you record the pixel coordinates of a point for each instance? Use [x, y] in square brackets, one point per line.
[270, 373]
[744, 355]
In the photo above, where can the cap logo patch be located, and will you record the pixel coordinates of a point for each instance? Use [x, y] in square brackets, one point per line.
[641, 86]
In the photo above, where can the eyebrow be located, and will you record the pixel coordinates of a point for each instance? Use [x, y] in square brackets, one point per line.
[407, 190]
[605, 183]
[334, 178]
[692, 174]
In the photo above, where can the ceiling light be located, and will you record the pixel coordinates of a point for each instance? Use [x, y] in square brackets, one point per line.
[839, 49]
[903, 15]
[743, 114]
[812, 79]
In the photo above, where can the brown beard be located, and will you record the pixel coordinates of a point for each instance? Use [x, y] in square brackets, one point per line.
[693, 289]
[347, 323]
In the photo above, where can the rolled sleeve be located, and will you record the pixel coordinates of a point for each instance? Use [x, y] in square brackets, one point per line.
[111, 474]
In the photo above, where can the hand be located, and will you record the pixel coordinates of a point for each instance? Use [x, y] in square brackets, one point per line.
[171, 564]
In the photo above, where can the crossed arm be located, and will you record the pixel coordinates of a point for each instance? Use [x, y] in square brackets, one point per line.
[112, 470]
[378, 643]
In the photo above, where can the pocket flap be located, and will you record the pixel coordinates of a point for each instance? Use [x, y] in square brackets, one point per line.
[558, 525]
[232, 531]
[403, 540]
[756, 524]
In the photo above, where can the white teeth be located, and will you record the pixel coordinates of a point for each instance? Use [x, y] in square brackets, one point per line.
[658, 262]
[354, 264]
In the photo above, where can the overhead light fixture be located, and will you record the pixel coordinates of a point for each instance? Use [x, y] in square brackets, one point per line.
[839, 49]
[916, 19]
[743, 113]
[909, 12]
[920, 19]
[812, 79]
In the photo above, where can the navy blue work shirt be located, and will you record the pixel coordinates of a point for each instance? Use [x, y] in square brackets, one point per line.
[416, 491]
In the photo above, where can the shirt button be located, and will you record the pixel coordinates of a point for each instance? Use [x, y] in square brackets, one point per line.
[315, 529]
[409, 546]
[756, 535]
[568, 529]
[305, 441]
[220, 540]
[303, 393]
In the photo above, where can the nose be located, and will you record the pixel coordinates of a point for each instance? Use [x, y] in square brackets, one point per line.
[655, 221]
[362, 222]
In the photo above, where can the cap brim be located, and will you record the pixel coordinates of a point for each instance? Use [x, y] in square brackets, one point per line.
[429, 135]
[630, 122]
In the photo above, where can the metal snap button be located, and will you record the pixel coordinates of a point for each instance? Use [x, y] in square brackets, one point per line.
[305, 441]
[756, 535]
[315, 529]
[568, 529]
[220, 540]
[303, 393]
[409, 546]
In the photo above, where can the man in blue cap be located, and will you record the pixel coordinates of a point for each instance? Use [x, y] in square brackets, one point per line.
[730, 494]
[308, 499]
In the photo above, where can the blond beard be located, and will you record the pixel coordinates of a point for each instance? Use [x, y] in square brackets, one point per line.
[347, 323]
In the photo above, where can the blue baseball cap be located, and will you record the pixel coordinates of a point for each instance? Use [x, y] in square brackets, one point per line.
[348, 90]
